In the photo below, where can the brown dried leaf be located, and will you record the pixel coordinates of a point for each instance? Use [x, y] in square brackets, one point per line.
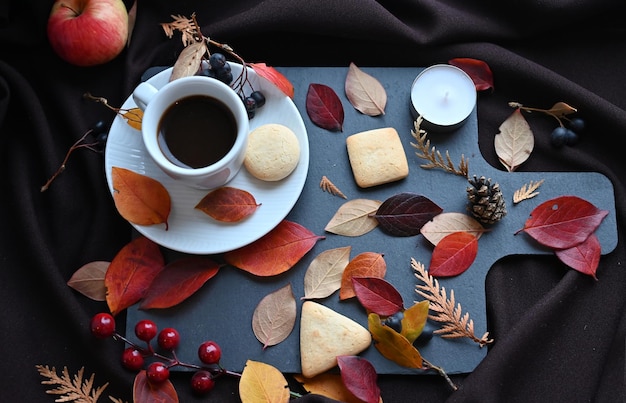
[353, 218]
[448, 223]
[323, 276]
[561, 109]
[365, 92]
[328, 186]
[89, 280]
[189, 60]
[275, 316]
[515, 142]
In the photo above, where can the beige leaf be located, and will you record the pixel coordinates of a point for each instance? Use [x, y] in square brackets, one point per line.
[515, 141]
[275, 316]
[323, 277]
[188, 61]
[365, 92]
[353, 218]
[447, 223]
[561, 109]
[89, 280]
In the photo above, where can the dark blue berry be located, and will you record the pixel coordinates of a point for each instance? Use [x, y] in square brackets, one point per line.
[99, 127]
[571, 137]
[217, 60]
[225, 77]
[258, 97]
[207, 73]
[557, 137]
[577, 125]
[427, 333]
[395, 321]
[250, 104]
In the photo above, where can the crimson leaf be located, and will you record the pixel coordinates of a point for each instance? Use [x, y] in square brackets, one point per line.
[404, 214]
[324, 107]
[359, 377]
[377, 295]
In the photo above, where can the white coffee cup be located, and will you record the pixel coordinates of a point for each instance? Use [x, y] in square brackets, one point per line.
[156, 102]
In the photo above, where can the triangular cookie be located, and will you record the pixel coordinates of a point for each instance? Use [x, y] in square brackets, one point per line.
[325, 334]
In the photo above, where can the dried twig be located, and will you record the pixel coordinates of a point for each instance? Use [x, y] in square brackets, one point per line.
[71, 389]
[446, 309]
[433, 155]
[328, 186]
[528, 191]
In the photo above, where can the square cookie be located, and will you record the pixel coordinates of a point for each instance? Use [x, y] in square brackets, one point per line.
[376, 157]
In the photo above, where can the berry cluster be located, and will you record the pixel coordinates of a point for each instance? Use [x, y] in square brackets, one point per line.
[167, 339]
[219, 69]
[567, 134]
[395, 322]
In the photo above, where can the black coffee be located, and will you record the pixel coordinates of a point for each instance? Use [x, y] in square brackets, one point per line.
[197, 131]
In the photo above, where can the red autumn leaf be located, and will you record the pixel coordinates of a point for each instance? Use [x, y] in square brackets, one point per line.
[146, 392]
[228, 204]
[478, 70]
[276, 252]
[583, 257]
[454, 254]
[274, 76]
[130, 273]
[366, 264]
[324, 107]
[377, 295]
[178, 281]
[563, 222]
[359, 377]
[140, 199]
[404, 214]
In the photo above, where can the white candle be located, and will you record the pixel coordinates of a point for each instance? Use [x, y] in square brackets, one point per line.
[444, 96]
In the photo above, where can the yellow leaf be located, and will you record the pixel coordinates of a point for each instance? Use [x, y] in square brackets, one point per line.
[262, 383]
[392, 345]
[133, 117]
[414, 320]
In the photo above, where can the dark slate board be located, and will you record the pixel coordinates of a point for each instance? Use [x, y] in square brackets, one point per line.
[222, 310]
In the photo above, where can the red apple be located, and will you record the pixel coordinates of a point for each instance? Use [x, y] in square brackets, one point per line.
[88, 32]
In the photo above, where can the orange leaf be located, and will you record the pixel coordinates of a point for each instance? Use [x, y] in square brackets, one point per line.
[276, 252]
[228, 204]
[130, 273]
[366, 264]
[262, 383]
[274, 76]
[140, 199]
[454, 254]
[145, 392]
[133, 117]
[179, 280]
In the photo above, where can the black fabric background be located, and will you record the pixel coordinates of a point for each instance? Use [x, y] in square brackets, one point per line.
[560, 335]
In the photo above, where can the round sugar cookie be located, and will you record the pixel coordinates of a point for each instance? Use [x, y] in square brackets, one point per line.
[273, 152]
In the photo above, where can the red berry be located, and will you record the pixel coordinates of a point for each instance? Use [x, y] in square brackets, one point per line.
[103, 325]
[168, 338]
[209, 352]
[202, 382]
[157, 373]
[132, 359]
[145, 330]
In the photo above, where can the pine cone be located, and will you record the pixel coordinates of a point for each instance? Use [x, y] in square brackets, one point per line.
[485, 201]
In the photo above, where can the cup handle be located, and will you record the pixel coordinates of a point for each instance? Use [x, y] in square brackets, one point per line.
[143, 94]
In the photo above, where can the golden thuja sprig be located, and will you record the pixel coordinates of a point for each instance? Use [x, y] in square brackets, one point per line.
[72, 388]
[433, 155]
[528, 191]
[328, 186]
[447, 311]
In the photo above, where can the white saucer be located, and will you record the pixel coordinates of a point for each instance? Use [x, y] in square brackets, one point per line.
[190, 230]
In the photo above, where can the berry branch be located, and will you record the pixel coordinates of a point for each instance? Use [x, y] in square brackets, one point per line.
[568, 130]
